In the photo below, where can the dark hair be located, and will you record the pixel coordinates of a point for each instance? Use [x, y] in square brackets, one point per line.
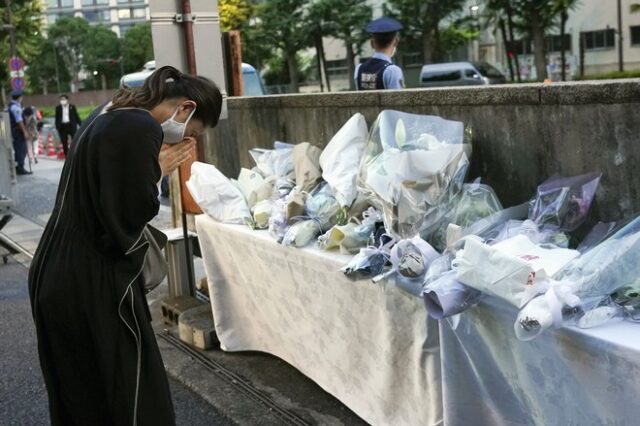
[28, 111]
[63, 96]
[383, 40]
[169, 83]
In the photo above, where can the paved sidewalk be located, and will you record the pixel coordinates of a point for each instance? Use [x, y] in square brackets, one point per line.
[209, 387]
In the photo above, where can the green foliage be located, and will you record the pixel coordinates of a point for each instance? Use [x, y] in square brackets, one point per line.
[42, 68]
[69, 35]
[348, 25]
[613, 75]
[26, 21]
[101, 51]
[137, 47]
[423, 22]
[233, 13]
[281, 24]
[83, 111]
[277, 73]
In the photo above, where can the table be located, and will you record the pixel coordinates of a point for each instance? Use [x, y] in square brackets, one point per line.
[370, 345]
[563, 377]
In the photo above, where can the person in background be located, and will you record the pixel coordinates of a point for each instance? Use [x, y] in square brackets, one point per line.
[31, 123]
[379, 72]
[67, 122]
[19, 132]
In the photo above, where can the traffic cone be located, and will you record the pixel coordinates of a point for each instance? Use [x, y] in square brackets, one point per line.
[40, 147]
[51, 151]
[61, 155]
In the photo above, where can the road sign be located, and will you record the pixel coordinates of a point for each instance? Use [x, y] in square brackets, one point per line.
[17, 83]
[16, 74]
[16, 63]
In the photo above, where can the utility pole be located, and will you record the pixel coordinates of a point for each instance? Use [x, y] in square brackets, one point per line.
[620, 46]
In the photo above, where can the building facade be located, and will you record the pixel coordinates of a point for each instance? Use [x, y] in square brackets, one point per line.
[119, 15]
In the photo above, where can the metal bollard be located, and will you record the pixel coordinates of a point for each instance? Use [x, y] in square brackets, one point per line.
[178, 274]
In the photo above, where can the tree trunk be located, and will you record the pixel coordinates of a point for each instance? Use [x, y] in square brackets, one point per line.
[45, 89]
[351, 67]
[537, 33]
[293, 73]
[103, 81]
[318, 41]
[503, 31]
[512, 40]
[428, 46]
[563, 57]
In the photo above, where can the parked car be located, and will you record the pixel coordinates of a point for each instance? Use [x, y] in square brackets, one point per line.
[252, 82]
[460, 74]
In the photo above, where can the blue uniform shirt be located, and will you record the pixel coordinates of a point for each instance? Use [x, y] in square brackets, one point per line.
[16, 111]
[392, 77]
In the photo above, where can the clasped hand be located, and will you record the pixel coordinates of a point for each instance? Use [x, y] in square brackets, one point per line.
[171, 156]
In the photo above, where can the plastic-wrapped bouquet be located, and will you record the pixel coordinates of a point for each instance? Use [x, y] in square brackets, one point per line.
[412, 167]
[576, 294]
[217, 196]
[476, 201]
[321, 213]
[352, 236]
[564, 202]
[341, 158]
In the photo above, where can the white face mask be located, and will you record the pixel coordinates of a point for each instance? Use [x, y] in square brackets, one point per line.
[174, 131]
[64, 102]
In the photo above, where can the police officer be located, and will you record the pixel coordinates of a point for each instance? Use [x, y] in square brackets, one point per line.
[19, 132]
[379, 72]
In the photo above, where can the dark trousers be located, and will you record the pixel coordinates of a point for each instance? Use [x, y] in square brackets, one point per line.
[19, 148]
[65, 131]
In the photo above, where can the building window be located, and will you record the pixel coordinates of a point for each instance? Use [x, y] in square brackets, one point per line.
[94, 2]
[130, 1]
[635, 35]
[138, 13]
[338, 67]
[521, 47]
[603, 39]
[60, 3]
[555, 44]
[97, 15]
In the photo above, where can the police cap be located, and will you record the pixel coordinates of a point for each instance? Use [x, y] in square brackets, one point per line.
[383, 25]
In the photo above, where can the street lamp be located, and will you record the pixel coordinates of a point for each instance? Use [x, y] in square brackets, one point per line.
[474, 10]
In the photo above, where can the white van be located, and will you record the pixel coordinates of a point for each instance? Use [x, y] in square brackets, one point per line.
[460, 74]
[251, 79]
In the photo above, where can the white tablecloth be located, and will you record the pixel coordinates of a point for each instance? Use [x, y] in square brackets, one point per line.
[564, 377]
[369, 345]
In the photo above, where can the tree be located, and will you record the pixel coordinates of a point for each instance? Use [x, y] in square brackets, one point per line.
[562, 8]
[233, 13]
[25, 18]
[281, 24]
[69, 37]
[137, 47]
[101, 53]
[45, 69]
[348, 25]
[499, 15]
[421, 20]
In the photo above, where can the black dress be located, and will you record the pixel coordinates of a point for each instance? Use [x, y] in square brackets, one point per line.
[98, 352]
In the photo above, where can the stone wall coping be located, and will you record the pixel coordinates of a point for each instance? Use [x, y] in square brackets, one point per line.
[568, 93]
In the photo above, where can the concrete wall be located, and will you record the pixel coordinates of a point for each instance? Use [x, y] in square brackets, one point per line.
[522, 134]
[93, 98]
